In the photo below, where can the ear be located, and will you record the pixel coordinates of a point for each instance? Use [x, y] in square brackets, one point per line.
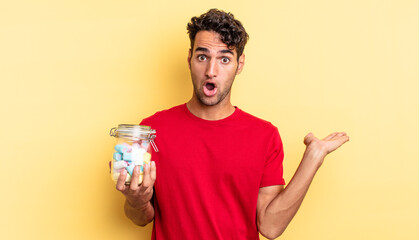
[240, 64]
[189, 58]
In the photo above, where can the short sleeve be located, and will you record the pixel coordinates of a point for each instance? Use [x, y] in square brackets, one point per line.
[147, 121]
[273, 169]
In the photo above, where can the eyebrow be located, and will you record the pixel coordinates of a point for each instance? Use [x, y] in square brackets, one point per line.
[202, 49]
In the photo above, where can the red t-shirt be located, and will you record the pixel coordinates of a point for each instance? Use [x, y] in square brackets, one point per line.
[209, 173]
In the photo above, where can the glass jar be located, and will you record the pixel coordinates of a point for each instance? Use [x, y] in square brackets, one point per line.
[132, 149]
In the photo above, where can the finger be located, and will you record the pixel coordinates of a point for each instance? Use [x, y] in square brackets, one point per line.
[153, 172]
[346, 138]
[308, 138]
[342, 137]
[135, 178]
[340, 140]
[146, 177]
[120, 184]
[330, 136]
[341, 134]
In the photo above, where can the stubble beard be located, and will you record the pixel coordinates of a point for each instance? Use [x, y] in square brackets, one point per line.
[221, 95]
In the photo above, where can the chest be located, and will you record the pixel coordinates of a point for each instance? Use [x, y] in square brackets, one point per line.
[212, 155]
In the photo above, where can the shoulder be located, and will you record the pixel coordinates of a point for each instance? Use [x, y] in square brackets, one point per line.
[257, 122]
[164, 115]
[261, 129]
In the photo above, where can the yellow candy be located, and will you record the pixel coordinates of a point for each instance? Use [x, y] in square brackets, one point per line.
[116, 174]
[115, 177]
[147, 157]
[128, 180]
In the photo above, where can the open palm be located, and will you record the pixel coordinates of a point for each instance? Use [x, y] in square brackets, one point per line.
[327, 144]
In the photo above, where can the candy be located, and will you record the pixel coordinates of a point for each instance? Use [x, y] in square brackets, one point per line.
[119, 164]
[115, 176]
[127, 156]
[147, 157]
[130, 168]
[118, 170]
[122, 148]
[144, 145]
[117, 156]
[137, 154]
[136, 157]
[140, 179]
[128, 179]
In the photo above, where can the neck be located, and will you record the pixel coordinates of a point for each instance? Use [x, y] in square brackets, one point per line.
[216, 112]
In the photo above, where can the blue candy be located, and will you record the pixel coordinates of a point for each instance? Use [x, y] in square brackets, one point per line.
[144, 145]
[130, 169]
[117, 156]
[127, 156]
[122, 148]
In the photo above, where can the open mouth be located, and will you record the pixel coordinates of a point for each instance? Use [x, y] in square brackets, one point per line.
[210, 89]
[210, 86]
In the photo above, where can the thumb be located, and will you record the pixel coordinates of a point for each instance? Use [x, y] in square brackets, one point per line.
[308, 138]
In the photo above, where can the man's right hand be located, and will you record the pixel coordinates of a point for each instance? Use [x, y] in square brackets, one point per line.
[138, 196]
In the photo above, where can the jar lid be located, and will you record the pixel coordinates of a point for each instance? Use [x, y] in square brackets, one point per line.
[134, 129]
[135, 132]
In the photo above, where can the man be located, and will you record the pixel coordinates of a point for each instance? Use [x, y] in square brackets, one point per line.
[218, 172]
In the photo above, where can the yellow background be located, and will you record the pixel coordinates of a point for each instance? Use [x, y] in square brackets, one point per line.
[71, 70]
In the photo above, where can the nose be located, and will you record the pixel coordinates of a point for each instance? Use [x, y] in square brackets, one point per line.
[212, 69]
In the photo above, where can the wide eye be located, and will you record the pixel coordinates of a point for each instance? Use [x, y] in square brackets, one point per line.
[202, 58]
[225, 60]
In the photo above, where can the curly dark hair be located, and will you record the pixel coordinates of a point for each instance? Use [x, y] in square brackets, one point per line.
[230, 29]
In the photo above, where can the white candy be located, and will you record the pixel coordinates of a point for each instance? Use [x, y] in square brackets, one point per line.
[119, 164]
[137, 154]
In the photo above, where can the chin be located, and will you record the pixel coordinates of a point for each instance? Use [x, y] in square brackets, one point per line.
[209, 102]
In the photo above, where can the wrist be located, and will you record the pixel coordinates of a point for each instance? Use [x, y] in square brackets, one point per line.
[137, 206]
[314, 155]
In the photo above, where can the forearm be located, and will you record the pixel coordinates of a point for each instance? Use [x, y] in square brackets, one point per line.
[142, 215]
[279, 213]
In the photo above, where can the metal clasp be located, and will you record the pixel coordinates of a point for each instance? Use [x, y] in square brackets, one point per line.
[113, 132]
[153, 144]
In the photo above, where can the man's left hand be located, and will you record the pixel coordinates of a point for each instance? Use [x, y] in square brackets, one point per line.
[320, 148]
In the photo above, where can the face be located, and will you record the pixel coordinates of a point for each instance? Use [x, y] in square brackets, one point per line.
[213, 68]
